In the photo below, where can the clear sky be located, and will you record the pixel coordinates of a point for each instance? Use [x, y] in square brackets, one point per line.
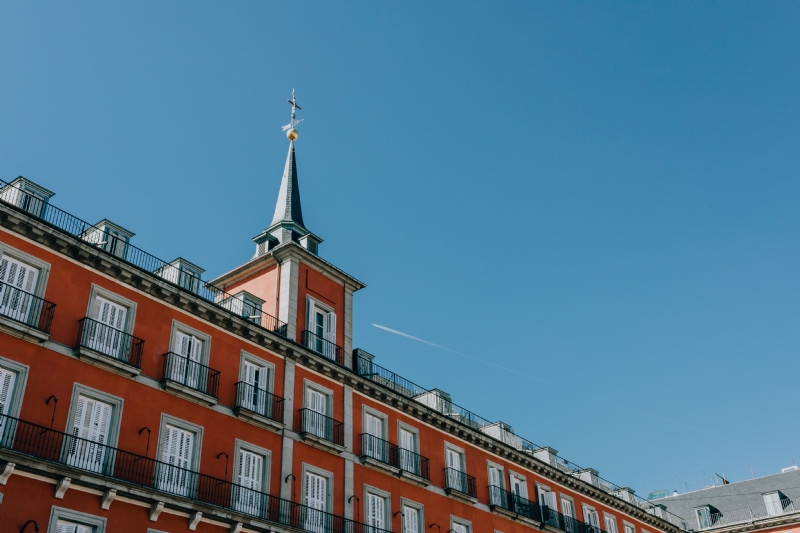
[601, 197]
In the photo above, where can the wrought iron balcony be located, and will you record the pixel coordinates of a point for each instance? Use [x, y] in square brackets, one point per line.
[110, 342]
[414, 463]
[384, 451]
[460, 482]
[57, 447]
[259, 401]
[319, 425]
[498, 497]
[750, 514]
[121, 249]
[325, 348]
[191, 374]
[26, 308]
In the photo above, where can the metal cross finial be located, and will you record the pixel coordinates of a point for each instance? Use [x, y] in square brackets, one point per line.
[295, 107]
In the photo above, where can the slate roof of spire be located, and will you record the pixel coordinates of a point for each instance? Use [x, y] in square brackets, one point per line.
[288, 208]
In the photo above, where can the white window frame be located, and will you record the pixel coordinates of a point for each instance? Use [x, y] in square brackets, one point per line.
[308, 384]
[43, 266]
[97, 524]
[767, 505]
[20, 382]
[460, 452]
[116, 410]
[492, 464]
[252, 448]
[205, 338]
[318, 304]
[586, 509]
[130, 314]
[329, 487]
[387, 505]
[460, 521]
[197, 445]
[258, 361]
[626, 526]
[707, 509]
[411, 429]
[420, 508]
[524, 481]
[609, 517]
[367, 410]
[540, 488]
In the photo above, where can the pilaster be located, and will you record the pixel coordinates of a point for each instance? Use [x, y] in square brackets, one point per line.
[348, 327]
[287, 311]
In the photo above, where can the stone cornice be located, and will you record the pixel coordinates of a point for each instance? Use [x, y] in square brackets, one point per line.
[20, 222]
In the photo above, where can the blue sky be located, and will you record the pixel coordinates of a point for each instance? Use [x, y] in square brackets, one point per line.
[600, 196]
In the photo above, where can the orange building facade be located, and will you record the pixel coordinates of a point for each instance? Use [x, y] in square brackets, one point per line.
[135, 396]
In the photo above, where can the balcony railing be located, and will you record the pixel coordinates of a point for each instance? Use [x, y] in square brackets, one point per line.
[26, 308]
[498, 497]
[56, 447]
[110, 342]
[460, 481]
[366, 368]
[184, 371]
[325, 348]
[409, 461]
[378, 449]
[13, 196]
[259, 401]
[321, 426]
[751, 514]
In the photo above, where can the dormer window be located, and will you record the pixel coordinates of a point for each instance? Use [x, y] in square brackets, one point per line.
[706, 516]
[27, 196]
[776, 503]
[246, 305]
[109, 237]
[182, 273]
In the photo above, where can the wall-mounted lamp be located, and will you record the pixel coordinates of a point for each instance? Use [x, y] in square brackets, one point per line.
[35, 526]
[294, 484]
[402, 519]
[55, 404]
[358, 507]
[437, 525]
[220, 454]
[147, 449]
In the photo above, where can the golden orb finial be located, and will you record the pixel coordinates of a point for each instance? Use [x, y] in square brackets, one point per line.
[292, 134]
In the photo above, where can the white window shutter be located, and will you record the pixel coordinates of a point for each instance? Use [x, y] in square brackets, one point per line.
[7, 381]
[494, 476]
[316, 491]
[407, 440]
[196, 349]
[182, 344]
[311, 313]
[551, 501]
[410, 520]
[330, 327]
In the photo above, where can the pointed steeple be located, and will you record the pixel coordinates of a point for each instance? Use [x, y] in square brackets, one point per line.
[288, 208]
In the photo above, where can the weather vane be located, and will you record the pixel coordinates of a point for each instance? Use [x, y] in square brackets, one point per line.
[292, 132]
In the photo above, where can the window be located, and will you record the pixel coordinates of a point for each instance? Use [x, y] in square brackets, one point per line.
[179, 453]
[256, 383]
[547, 502]
[68, 521]
[109, 319]
[568, 510]
[109, 237]
[407, 451]
[92, 427]
[322, 325]
[519, 495]
[591, 519]
[315, 415]
[372, 439]
[412, 518]
[250, 473]
[18, 283]
[13, 376]
[246, 305]
[454, 459]
[703, 517]
[317, 502]
[182, 273]
[375, 512]
[775, 502]
[187, 363]
[460, 526]
[629, 528]
[611, 524]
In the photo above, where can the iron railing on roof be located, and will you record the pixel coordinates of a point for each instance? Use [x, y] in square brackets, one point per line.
[57, 447]
[110, 342]
[26, 308]
[365, 367]
[750, 514]
[120, 248]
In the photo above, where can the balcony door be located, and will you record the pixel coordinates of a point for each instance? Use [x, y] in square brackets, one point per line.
[187, 368]
[316, 503]
[519, 491]
[249, 479]
[316, 416]
[17, 285]
[590, 517]
[568, 510]
[496, 480]
[454, 478]
[373, 440]
[107, 334]
[408, 457]
[322, 324]
[410, 519]
[255, 393]
[376, 515]
[86, 447]
[174, 474]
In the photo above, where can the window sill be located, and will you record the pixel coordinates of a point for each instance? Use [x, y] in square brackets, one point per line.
[322, 444]
[188, 393]
[413, 478]
[257, 419]
[461, 496]
[375, 464]
[23, 331]
[106, 361]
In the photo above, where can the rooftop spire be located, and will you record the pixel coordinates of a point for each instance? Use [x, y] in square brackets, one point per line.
[288, 208]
